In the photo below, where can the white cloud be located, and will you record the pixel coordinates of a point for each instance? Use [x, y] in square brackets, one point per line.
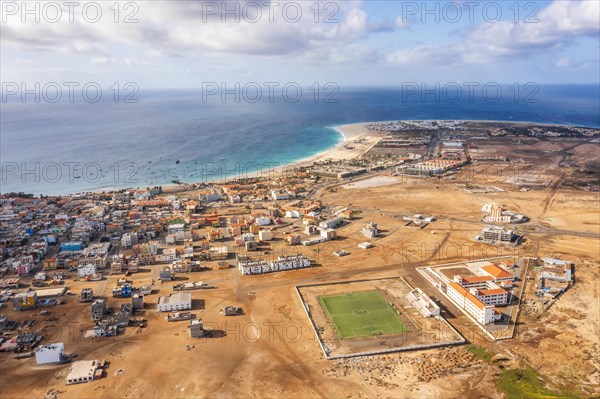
[569, 62]
[401, 23]
[114, 61]
[193, 28]
[558, 24]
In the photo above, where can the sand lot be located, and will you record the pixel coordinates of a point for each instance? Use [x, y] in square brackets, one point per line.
[270, 351]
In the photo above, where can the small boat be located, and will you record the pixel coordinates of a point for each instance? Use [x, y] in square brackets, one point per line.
[177, 161]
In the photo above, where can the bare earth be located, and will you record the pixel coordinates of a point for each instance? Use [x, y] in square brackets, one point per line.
[271, 351]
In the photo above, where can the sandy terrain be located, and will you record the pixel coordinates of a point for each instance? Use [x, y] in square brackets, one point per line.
[270, 351]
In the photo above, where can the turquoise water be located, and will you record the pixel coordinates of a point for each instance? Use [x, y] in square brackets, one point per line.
[71, 147]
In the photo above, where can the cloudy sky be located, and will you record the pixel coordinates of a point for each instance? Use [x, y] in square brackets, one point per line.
[180, 44]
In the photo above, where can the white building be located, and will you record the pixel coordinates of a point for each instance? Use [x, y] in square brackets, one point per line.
[174, 302]
[97, 260]
[52, 353]
[494, 296]
[86, 270]
[484, 314]
[423, 303]
[332, 223]
[497, 273]
[169, 255]
[196, 328]
[83, 371]
[128, 240]
[495, 234]
[556, 269]
[370, 230]
[176, 228]
[292, 214]
[262, 220]
[265, 235]
[327, 234]
[248, 237]
[279, 195]
[170, 239]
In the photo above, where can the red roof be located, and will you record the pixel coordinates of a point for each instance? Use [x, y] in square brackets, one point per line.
[458, 288]
[492, 292]
[476, 279]
[473, 299]
[470, 297]
[496, 272]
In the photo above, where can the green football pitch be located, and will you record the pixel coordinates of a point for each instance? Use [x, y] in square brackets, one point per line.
[361, 314]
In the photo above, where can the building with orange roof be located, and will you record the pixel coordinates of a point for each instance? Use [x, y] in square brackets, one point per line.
[484, 314]
[497, 273]
[473, 281]
[484, 288]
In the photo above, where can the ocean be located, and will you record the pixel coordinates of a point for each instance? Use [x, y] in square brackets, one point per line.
[64, 147]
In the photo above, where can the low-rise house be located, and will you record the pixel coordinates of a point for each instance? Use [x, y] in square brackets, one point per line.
[175, 302]
[52, 353]
[84, 371]
[25, 300]
[98, 309]
[197, 328]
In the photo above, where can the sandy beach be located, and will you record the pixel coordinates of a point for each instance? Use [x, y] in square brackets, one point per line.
[357, 140]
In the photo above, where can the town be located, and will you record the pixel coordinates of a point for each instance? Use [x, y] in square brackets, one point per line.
[396, 219]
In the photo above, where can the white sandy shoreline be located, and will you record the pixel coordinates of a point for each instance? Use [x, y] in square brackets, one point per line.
[355, 140]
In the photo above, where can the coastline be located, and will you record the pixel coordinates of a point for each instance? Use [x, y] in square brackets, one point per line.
[350, 134]
[355, 141]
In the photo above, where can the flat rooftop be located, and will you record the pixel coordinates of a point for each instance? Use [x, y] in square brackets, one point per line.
[176, 298]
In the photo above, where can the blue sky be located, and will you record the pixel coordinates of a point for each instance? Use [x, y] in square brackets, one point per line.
[180, 44]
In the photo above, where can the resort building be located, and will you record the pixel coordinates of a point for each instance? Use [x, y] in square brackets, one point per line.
[498, 274]
[473, 281]
[482, 313]
[495, 296]
[280, 195]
